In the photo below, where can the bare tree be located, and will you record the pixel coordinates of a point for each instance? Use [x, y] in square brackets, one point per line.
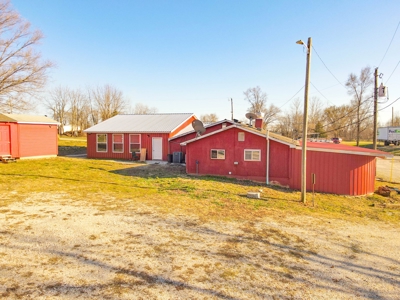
[143, 109]
[107, 101]
[358, 87]
[79, 111]
[57, 103]
[257, 100]
[271, 115]
[296, 115]
[315, 113]
[17, 103]
[209, 118]
[338, 121]
[21, 69]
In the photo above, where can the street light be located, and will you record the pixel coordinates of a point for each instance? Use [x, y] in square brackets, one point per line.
[305, 122]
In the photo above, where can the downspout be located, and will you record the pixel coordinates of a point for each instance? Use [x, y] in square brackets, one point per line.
[267, 166]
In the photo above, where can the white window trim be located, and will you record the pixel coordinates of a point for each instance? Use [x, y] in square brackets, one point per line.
[114, 143]
[252, 150]
[241, 133]
[97, 142]
[217, 153]
[130, 141]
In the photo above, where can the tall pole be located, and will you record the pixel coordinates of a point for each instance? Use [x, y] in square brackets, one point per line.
[305, 123]
[375, 108]
[231, 109]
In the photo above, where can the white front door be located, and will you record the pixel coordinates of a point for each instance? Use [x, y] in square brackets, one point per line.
[157, 148]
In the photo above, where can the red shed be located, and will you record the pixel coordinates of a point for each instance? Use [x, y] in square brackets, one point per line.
[122, 135]
[23, 136]
[245, 153]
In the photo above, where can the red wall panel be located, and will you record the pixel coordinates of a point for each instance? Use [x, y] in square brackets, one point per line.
[337, 173]
[37, 140]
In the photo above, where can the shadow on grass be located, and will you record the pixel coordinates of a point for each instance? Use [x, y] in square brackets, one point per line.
[148, 171]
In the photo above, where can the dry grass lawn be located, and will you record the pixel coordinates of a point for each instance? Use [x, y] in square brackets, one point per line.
[93, 229]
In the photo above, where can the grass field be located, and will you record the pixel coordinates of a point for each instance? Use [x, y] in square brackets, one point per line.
[171, 190]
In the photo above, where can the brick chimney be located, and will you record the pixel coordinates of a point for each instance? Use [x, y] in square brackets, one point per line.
[259, 123]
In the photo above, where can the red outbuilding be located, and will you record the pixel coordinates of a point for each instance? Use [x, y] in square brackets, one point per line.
[243, 152]
[122, 136]
[23, 136]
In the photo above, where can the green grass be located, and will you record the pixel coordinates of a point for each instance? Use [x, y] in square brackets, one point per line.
[66, 141]
[108, 185]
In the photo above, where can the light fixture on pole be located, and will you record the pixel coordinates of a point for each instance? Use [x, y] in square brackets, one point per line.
[305, 122]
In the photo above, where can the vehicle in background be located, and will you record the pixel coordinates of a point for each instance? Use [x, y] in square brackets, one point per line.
[389, 135]
[336, 140]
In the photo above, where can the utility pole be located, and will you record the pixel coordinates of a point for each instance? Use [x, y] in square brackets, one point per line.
[375, 108]
[231, 109]
[305, 123]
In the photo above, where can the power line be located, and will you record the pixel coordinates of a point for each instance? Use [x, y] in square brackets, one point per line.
[390, 44]
[348, 113]
[328, 68]
[389, 104]
[292, 97]
[321, 94]
[353, 123]
[393, 71]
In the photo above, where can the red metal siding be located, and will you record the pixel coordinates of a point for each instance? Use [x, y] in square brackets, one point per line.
[279, 159]
[337, 173]
[234, 152]
[146, 142]
[37, 140]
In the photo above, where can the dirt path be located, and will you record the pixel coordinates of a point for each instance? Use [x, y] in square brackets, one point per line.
[52, 247]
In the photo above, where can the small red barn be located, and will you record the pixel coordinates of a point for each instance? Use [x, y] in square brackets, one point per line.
[122, 135]
[243, 152]
[24, 136]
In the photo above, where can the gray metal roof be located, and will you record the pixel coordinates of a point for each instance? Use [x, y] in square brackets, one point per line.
[13, 118]
[155, 123]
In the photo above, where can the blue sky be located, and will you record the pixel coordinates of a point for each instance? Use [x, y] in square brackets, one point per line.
[192, 56]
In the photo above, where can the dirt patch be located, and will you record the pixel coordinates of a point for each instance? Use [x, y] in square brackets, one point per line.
[54, 247]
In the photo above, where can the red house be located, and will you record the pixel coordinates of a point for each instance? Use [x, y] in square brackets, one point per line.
[23, 136]
[123, 135]
[243, 152]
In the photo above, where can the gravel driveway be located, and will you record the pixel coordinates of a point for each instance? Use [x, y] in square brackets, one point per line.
[55, 248]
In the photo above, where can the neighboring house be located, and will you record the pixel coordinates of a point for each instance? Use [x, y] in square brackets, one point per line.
[244, 152]
[24, 136]
[122, 136]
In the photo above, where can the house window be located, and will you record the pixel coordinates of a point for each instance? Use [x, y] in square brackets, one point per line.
[101, 141]
[252, 155]
[241, 136]
[217, 154]
[118, 143]
[134, 143]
